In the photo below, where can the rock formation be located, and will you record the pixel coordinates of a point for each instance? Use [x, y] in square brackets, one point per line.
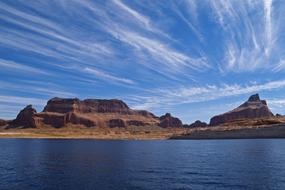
[253, 108]
[60, 105]
[88, 113]
[168, 120]
[198, 123]
[25, 118]
[3, 122]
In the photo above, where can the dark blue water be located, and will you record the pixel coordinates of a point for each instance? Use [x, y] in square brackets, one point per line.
[91, 164]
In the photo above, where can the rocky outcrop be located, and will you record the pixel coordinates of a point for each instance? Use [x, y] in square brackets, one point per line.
[25, 118]
[253, 108]
[3, 122]
[198, 123]
[88, 113]
[168, 120]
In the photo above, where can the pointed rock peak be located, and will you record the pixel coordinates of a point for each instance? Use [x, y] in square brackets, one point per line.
[198, 123]
[167, 115]
[28, 107]
[168, 120]
[254, 98]
[25, 117]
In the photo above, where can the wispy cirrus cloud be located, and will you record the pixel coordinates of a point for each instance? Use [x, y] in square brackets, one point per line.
[48, 38]
[134, 31]
[141, 18]
[44, 89]
[280, 103]
[268, 25]
[249, 46]
[46, 41]
[160, 52]
[22, 100]
[107, 77]
[51, 30]
[158, 98]
[7, 64]
[280, 66]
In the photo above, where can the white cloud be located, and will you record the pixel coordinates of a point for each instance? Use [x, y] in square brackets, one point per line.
[20, 67]
[134, 13]
[280, 103]
[153, 48]
[159, 51]
[46, 89]
[107, 77]
[248, 46]
[280, 66]
[268, 25]
[48, 37]
[22, 100]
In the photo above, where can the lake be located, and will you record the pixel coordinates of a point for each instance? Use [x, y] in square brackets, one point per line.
[169, 164]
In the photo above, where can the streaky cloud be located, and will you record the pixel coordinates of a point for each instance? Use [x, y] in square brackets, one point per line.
[8, 64]
[107, 77]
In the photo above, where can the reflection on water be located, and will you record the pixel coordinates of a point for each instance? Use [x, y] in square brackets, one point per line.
[183, 164]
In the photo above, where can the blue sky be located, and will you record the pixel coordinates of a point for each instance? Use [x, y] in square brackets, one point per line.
[194, 58]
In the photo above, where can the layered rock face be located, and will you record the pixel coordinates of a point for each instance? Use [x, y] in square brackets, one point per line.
[253, 108]
[168, 120]
[88, 113]
[60, 105]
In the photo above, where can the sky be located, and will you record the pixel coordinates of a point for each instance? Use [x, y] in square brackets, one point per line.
[192, 58]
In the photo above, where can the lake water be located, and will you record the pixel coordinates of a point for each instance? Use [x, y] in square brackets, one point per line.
[174, 164]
